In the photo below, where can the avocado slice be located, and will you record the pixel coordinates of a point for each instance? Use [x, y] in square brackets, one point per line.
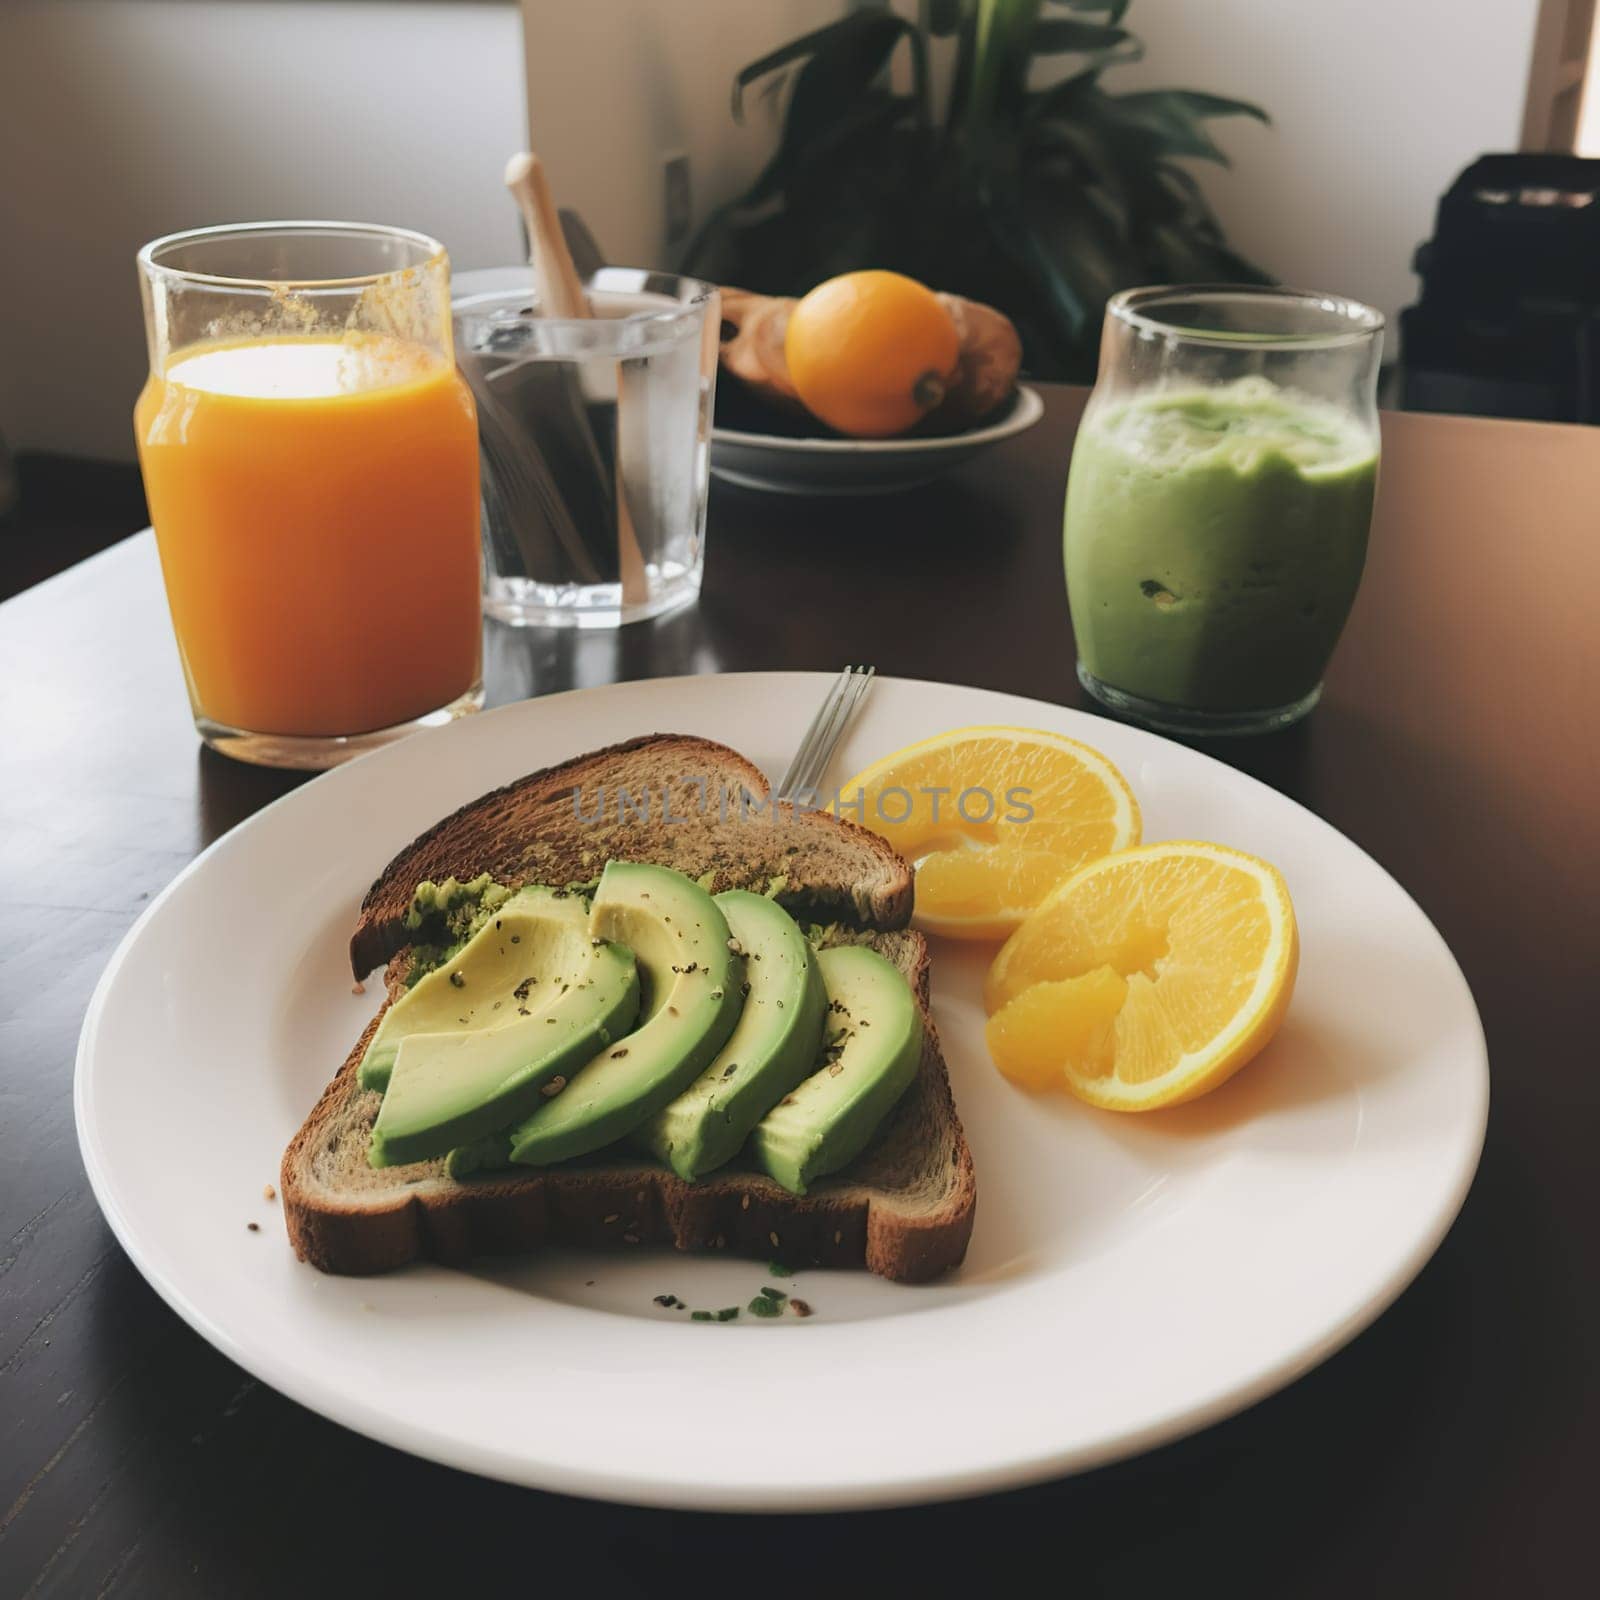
[512, 951]
[873, 1050]
[504, 1050]
[771, 1049]
[690, 999]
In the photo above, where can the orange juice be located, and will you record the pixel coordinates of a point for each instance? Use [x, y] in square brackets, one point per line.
[315, 502]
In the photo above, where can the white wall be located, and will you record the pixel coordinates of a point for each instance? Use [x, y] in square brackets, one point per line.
[124, 119]
[1376, 104]
[614, 83]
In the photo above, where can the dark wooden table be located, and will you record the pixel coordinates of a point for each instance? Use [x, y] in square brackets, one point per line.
[1451, 1450]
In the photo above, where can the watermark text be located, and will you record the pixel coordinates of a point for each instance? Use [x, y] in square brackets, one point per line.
[671, 805]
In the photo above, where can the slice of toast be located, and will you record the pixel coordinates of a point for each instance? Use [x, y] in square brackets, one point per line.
[668, 798]
[903, 1208]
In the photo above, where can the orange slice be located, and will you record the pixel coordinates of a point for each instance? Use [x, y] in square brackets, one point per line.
[1147, 978]
[994, 818]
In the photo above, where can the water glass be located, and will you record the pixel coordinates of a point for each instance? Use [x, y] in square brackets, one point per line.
[595, 437]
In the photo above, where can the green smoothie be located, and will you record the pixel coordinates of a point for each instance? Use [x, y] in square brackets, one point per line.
[1214, 542]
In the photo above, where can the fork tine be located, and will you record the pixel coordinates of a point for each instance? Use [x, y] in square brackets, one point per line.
[834, 730]
[827, 735]
[828, 721]
[860, 686]
[826, 730]
[808, 743]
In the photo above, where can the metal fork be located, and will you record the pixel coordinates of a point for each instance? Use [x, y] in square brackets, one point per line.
[822, 738]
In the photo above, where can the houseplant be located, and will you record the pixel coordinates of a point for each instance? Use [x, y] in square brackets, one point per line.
[1041, 200]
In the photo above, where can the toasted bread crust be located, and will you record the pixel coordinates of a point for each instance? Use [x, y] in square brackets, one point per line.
[630, 1204]
[499, 832]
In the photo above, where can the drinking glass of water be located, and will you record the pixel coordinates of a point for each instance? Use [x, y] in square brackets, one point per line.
[595, 443]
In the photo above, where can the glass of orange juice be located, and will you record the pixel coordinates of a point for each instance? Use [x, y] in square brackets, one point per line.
[310, 459]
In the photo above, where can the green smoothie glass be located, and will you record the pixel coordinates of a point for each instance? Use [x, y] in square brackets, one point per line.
[1219, 501]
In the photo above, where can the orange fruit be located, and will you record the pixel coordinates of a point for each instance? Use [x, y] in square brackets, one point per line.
[871, 353]
[994, 818]
[1147, 978]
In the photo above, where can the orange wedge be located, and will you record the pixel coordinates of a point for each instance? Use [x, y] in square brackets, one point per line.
[1147, 978]
[994, 818]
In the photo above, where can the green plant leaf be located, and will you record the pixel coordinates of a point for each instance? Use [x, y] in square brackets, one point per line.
[1182, 179]
[1058, 99]
[965, 67]
[1212, 105]
[847, 66]
[1063, 308]
[1111, 204]
[1075, 240]
[846, 56]
[785, 55]
[945, 17]
[1187, 199]
[836, 92]
[1056, 36]
[1078, 151]
[1162, 125]
[873, 114]
[1231, 267]
[1185, 258]
[1041, 202]
[1081, 142]
[1113, 10]
[997, 65]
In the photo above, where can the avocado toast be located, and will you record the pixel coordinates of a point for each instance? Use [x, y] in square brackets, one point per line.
[899, 1199]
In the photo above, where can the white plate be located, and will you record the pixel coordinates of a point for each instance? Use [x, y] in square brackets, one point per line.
[858, 466]
[1130, 1279]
